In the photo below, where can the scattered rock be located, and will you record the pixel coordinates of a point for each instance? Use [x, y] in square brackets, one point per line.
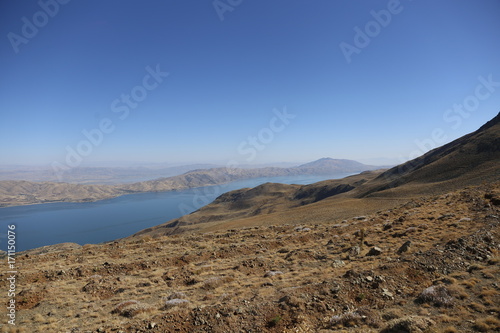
[178, 295]
[387, 293]
[354, 251]
[436, 295]
[387, 226]
[175, 302]
[338, 263]
[272, 273]
[405, 247]
[374, 251]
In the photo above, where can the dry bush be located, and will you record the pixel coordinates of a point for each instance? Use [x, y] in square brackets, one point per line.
[444, 318]
[436, 295]
[458, 291]
[214, 282]
[131, 308]
[470, 283]
[123, 304]
[477, 307]
[392, 314]
[489, 324]
[170, 303]
[38, 318]
[450, 329]
[408, 324]
[134, 309]
[178, 294]
[485, 293]
[356, 318]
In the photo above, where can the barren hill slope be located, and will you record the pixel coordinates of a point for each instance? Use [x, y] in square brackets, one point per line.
[469, 160]
[430, 265]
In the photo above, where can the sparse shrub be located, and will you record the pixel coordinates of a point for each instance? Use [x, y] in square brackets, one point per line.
[486, 293]
[356, 318]
[272, 273]
[475, 267]
[408, 324]
[450, 329]
[131, 308]
[392, 314]
[489, 324]
[436, 295]
[458, 292]
[215, 282]
[274, 322]
[122, 305]
[477, 307]
[134, 309]
[175, 302]
[470, 283]
[360, 297]
[38, 318]
[177, 294]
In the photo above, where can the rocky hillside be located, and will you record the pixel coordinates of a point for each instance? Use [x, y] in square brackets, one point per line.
[470, 160]
[429, 265]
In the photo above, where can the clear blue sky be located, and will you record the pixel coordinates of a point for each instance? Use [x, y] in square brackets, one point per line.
[231, 66]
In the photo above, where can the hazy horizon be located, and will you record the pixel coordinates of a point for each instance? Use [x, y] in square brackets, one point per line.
[85, 84]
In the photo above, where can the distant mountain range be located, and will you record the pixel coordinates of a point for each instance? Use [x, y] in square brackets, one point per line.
[473, 159]
[97, 175]
[20, 192]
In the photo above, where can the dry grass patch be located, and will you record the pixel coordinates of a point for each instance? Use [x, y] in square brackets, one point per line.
[488, 324]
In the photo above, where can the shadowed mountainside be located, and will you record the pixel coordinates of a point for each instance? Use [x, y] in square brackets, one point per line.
[469, 160]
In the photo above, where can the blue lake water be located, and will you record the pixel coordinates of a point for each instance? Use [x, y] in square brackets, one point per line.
[105, 220]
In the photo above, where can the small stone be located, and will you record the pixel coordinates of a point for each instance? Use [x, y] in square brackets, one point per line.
[387, 293]
[151, 325]
[354, 251]
[273, 273]
[374, 251]
[405, 247]
[369, 279]
[338, 263]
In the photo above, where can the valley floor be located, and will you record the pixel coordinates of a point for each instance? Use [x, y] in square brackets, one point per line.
[430, 265]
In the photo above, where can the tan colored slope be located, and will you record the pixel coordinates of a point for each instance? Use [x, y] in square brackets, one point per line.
[470, 160]
[279, 203]
[14, 193]
[341, 276]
